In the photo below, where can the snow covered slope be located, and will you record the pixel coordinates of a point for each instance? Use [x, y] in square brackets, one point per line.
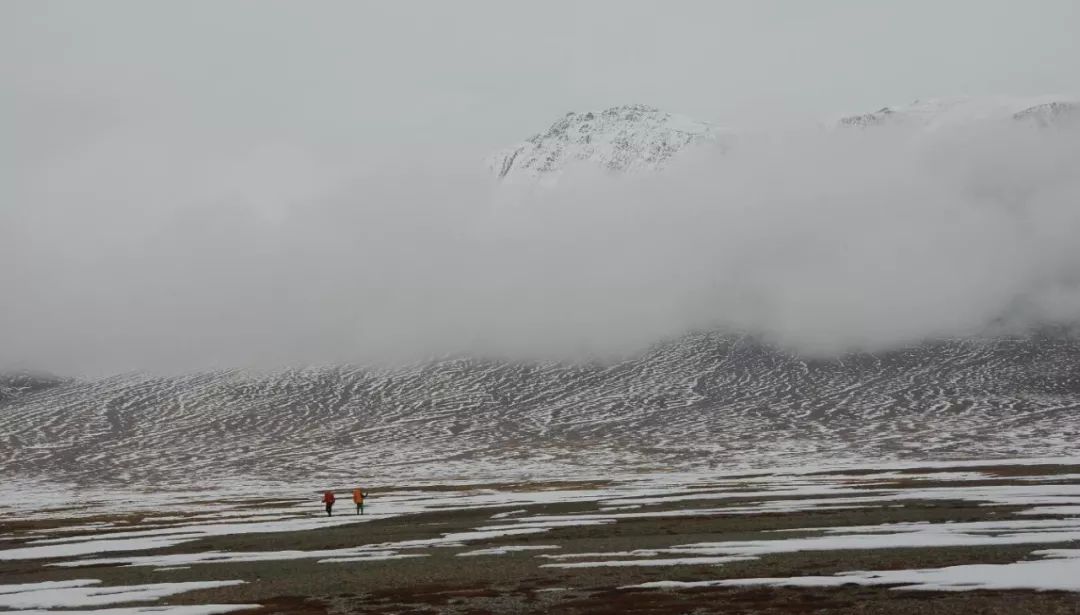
[15, 384]
[938, 113]
[702, 401]
[625, 138]
[636, 137]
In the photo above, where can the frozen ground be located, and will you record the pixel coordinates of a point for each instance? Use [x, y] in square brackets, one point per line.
[1061, 571]
[662, 532]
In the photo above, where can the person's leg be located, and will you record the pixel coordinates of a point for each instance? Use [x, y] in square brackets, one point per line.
[361, 508]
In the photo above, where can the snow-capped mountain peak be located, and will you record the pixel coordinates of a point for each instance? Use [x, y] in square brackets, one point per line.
[622, 138]
[632, 138]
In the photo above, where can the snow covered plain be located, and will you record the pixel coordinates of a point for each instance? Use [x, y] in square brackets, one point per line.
[59, 561]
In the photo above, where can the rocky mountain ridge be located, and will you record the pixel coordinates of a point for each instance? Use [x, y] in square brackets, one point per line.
[619, 139]
[636, 138]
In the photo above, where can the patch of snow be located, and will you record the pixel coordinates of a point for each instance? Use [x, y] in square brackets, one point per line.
[676, 561]
[509, 513]
[556, 523]
[184, 609]
[1060, 574]
[102, 545]
[360, 553]
[374, 557]
[91, 594]
[26, 587]
[901, 535]
[508, 549]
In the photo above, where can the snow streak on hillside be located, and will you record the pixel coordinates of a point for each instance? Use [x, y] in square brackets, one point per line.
[704, 401]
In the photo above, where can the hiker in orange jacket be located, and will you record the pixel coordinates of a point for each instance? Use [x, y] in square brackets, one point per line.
[329, 499]
[358, 496]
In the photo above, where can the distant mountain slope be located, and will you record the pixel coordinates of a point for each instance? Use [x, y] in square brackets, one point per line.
[622, 138]
[17, 384]
[1051, 113]
[705, 400]
[936, 113]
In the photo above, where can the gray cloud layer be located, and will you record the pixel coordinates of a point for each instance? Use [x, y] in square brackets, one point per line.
[201, 183]
[822, 241]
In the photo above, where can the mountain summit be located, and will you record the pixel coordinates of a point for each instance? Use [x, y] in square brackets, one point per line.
[621, 138]
[639, 137]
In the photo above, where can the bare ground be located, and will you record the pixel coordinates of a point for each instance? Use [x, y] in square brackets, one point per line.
[518, 582]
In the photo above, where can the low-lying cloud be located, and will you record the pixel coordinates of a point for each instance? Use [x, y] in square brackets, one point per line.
[131, 256]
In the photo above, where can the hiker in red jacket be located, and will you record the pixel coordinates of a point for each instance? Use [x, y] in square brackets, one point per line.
[329, 499]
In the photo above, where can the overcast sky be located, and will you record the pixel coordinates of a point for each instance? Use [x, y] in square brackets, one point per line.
[193, 183]
[486, 73]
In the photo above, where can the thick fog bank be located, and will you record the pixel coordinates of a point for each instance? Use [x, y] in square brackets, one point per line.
[136, 256]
